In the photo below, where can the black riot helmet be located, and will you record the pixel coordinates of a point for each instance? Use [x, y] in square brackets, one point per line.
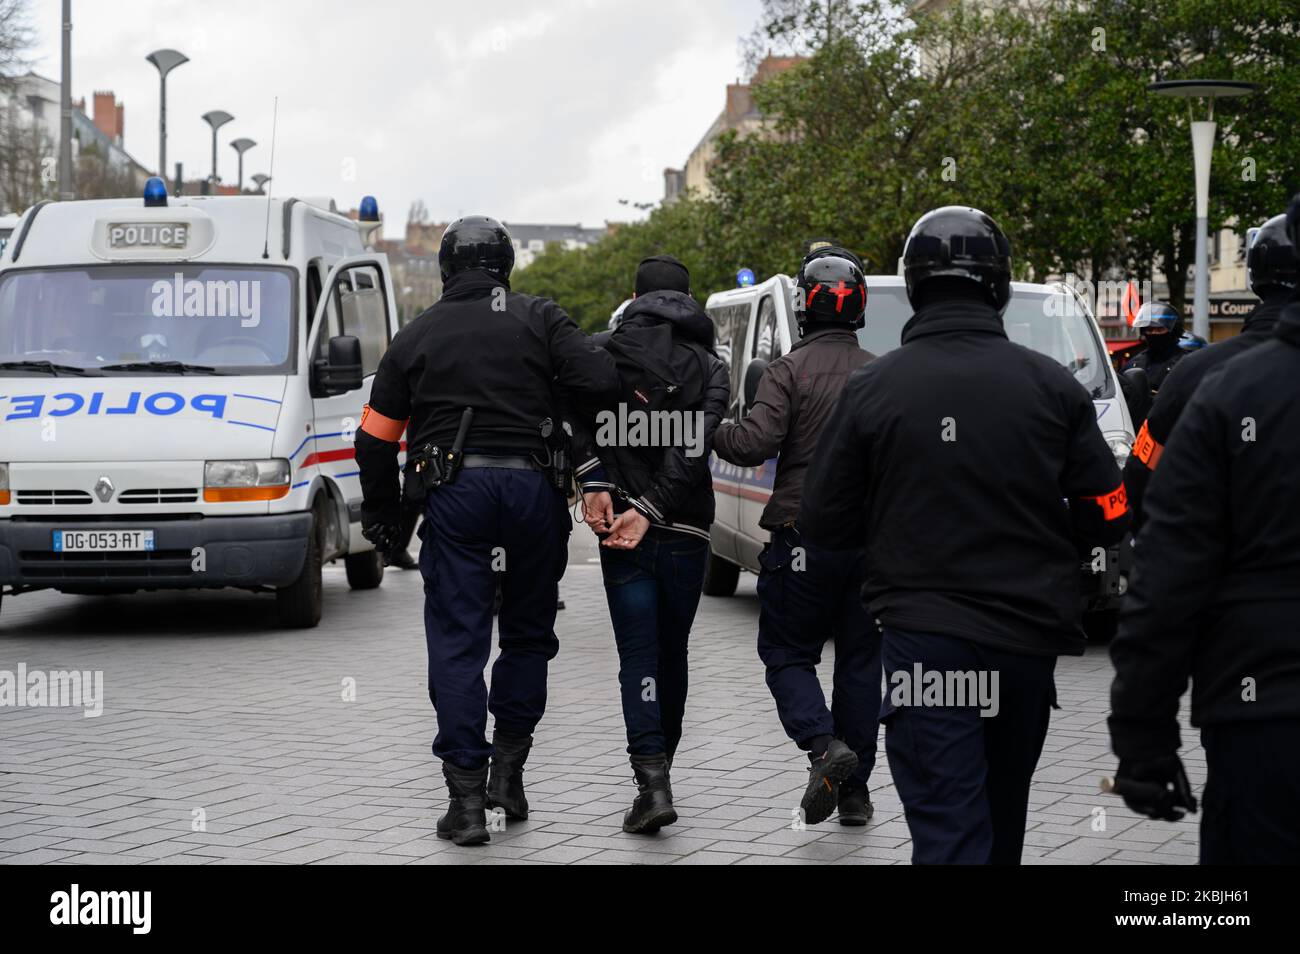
[476, 241]
[1271, 260]
[958, 242]
[831, 289]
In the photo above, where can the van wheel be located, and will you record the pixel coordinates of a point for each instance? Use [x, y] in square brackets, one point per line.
[1100, 626]
[720, 576]
[299, 603]
[365, 570]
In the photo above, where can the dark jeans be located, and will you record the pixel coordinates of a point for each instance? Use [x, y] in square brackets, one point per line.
[653, 592]
[487, 516]
[809, 595]
[1249, 813]
[964, 778]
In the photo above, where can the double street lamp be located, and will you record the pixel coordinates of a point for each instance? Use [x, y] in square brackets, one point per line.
[1202, 148]
[216, 119]
[165, 61]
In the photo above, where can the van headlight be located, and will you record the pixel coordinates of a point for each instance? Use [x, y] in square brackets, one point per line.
[226, 481]
[1121, 446]
[4, 484]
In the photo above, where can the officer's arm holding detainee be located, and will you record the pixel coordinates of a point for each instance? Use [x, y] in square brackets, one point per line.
[832, 510]
[759, 436]
[584, 373]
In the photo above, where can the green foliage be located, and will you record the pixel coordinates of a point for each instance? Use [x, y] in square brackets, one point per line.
[1037, 113]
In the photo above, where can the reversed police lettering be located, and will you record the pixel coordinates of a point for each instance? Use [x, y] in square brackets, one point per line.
[67, 404]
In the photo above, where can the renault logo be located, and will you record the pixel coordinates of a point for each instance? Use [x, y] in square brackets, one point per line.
[104, 489]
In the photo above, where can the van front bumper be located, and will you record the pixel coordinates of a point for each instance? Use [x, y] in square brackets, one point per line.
[254, 551]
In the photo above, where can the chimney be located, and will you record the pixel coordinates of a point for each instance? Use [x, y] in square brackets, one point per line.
[110, 116]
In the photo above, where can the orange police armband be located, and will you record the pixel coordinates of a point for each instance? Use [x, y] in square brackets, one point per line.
[383, 428]
[1147, 449]
[1114, 504]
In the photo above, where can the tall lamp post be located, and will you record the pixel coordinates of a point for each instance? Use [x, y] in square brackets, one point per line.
[67, 187]
[1202, 149]
[216, 119]
[260, 180]
[242, 146]
[165, 61]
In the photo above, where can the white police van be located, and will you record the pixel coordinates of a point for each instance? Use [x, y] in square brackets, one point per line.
[7, 225]
[180, 384]
[755, 325]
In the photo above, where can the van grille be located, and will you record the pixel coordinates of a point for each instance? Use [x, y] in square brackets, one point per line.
[172, 495]
[46, 498]
[140, 565]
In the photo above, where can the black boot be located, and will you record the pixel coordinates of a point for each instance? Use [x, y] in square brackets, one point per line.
[855, 804]
[653, 806]
[505, 787]
[466, 820]
[401, 559]
[827, 771]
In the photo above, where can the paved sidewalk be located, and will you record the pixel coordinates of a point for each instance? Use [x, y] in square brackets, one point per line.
[212, 715]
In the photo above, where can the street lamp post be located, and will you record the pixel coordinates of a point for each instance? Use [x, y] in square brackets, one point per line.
[216, 119]
[67, 187]
[1202, 149]
[242, 146]
[260, 180]
[165, 61]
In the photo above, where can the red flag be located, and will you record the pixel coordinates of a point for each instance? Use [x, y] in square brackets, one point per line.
[1130, 304]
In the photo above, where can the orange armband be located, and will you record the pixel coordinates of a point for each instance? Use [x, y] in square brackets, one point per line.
[378, 426]
[1146, 448]
[1114, 504]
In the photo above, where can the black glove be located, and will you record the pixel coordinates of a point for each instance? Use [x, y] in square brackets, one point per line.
[382, 534]
[1156, 788]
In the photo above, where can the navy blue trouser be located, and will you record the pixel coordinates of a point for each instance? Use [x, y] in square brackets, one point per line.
[808, 596]
[964, 778]
[1248, 811]
[490, 519]
[653, 592]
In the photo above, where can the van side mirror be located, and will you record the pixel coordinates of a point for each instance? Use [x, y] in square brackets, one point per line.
[341, 371]
[753, 373]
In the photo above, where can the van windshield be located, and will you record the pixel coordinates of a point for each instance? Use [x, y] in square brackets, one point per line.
[234, 319]
[1049, 321]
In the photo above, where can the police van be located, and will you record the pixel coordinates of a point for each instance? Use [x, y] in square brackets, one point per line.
[180, 383]
[7, 225]
[755, 325]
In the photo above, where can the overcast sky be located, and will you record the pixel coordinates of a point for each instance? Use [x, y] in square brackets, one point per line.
[530, 110]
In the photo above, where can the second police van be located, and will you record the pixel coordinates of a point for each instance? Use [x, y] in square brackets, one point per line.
[180, 384]
[755, 325]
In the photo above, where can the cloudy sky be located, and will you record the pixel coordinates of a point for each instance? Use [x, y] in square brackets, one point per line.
[530, 110]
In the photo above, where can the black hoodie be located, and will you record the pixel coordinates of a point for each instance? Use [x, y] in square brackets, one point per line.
[667, 336]
[1215, 592]
[1179, 386]
[954, 457]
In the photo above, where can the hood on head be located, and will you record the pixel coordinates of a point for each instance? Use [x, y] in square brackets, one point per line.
[677, 309]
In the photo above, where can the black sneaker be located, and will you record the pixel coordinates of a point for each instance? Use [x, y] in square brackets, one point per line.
[824, 777]
[855, 805]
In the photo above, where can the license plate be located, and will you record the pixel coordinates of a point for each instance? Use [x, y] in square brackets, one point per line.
[101, 541]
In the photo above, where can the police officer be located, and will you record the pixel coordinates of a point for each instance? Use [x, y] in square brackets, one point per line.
[1272, 274]
[1160, 327]
[951, 457]
[1215, 595]
[808, 593]
[494, 360]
